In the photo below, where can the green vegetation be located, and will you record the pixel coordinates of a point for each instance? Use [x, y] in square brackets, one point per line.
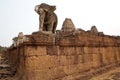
[2, 48]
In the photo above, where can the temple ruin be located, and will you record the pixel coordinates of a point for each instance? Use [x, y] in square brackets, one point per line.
[67, 54]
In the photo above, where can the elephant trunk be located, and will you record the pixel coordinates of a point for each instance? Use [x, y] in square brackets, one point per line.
[36, 8]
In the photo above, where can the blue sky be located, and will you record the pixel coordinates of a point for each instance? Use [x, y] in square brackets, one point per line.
[19, 16]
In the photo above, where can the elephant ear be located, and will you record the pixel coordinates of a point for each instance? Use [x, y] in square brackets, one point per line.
[52, 8]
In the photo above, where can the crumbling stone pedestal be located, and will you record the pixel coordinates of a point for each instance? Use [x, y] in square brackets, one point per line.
[69, 54]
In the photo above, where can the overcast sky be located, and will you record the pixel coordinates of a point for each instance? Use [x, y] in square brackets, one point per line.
[19, 16]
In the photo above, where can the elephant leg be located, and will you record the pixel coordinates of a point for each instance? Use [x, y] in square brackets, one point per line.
[50, 27]
[44, 27]
[54, 27]
[40, 24]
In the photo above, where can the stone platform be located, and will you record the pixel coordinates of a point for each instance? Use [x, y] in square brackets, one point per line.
[69, 54]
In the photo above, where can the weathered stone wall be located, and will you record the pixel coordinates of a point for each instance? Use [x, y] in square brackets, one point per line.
[16, 60]
[64, 56]
[69, 54]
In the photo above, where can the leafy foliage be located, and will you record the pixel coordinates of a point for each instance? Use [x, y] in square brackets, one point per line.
[2, 48]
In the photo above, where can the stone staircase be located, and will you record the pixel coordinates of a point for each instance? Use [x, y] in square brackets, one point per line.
[6, 70]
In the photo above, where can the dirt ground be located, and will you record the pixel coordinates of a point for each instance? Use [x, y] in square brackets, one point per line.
[113, 74]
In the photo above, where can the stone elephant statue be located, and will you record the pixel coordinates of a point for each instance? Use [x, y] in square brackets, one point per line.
[47, 17]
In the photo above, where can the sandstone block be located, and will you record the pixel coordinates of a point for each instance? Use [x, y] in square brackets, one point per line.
[52, 50]
[42, 62]
[83, 67]
[91, 50]
[46, 74]
[68, 51]
[70, 69]
[80, 50]
[96, 60]
[80, 59]
[68, 60]
[35, 51]
[67, 41]
[42, 39]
